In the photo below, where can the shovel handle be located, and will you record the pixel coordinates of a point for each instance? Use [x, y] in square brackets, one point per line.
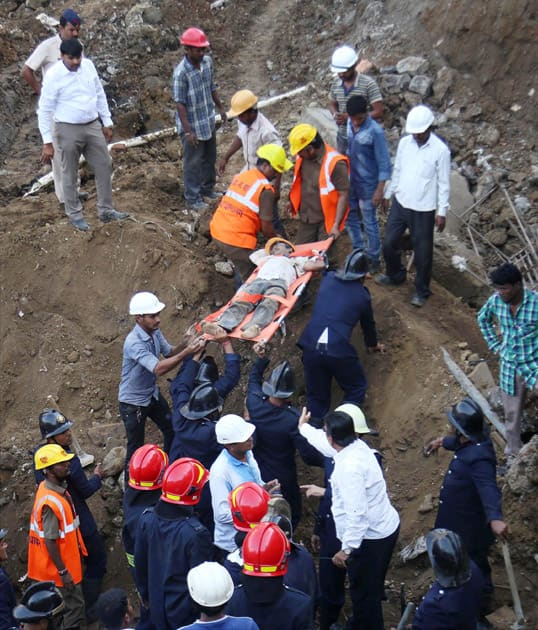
[518, 610]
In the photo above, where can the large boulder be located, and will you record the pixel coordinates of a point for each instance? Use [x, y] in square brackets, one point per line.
[460, 200]
[323, 121]
[522, 476]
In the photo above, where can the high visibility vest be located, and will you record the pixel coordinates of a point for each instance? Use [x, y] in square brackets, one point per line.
[70, 543]
[327, 193]
[236, 221]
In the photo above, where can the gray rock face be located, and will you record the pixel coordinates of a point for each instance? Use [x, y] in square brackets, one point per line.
[443, 82]
[460, 200]
[498, 236]
[489, 135]
[412, 65]
[421, 84]
[522, 476]
[394, 83]
[114, 461]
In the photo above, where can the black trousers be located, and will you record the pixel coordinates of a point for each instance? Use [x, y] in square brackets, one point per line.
[134, 419]
[366, 569]
[420, 226]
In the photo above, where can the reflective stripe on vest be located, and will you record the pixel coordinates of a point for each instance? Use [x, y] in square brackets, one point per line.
[329, 186]
[246, 199]
[63, 528]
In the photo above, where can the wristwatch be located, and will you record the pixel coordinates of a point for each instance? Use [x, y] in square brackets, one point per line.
[63, 572]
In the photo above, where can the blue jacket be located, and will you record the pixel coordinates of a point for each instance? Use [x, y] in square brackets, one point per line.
[339, 305]
[292, 610]
[80, 488]
[196, 438]
[169, 542]
[7, 602]
[469, 497]
[135, 502]
[451, 608]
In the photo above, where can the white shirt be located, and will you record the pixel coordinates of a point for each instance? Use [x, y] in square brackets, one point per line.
[278, 267]
[421, 176]
[360, 505]
[252, 138]
[46, 54]
[71, 97]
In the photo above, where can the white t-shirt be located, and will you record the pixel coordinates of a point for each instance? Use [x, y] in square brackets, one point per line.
[278, 267]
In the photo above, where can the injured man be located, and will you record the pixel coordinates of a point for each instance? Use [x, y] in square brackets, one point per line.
[277, 271]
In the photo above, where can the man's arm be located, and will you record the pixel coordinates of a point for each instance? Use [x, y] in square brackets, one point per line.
[30, 77]
[382, 158]
[392, 187]
[443, 189]
[164, 366]
[340, 179]
[232, 373]
[376, 111]
[78, 480]
[218, 103]
[485, 323]
[233, 148]
[368, 324]
[45, 111]
[267, 199]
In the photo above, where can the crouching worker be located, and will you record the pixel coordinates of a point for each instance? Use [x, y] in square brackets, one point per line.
[41, 608]
[277, 272]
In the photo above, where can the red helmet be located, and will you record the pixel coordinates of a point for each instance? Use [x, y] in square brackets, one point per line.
[194, 37]
[146, 467]
[265, 551]
[248, 503]
[183, 481]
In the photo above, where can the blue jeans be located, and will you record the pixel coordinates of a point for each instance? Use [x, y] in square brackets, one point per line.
[199, 174]
[365, 220]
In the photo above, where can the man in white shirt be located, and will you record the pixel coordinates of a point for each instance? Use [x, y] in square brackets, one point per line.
[366, 523]
[420, 185]
[41, 60]
[72, 96]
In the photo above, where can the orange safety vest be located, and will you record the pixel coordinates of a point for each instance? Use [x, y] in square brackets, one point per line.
[236, 221]
[70, 543]
[327, 193]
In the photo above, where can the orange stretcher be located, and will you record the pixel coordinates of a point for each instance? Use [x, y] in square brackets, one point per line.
[286, 304]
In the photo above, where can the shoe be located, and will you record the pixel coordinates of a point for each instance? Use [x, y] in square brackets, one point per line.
[83, 196]
[374, 267]
[214, 194]
[418, 301]
[113, 215]
[198, 206]
[80, 224]
[387, 281]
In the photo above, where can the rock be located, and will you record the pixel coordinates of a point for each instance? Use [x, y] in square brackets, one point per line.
[443, 82]
[394, 83]
[426, 505]
[460, 201]
[462, 345]
[464, 356]
[521, 203]
[35, 5]
[73, 357]
[414, 549]
[96, 404]
[497, 236]
[388, 70]
[412, 99]
[489, 135]
[100, 433]
[522, 476]
[473, 111]
[473, 358]
[323, 121]
[114, 462]
[482, 377]
[226, 268]
[152, 15]
[421, 84]
[412, 65]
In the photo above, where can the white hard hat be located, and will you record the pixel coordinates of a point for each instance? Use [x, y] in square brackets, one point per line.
[359, 421]
[419, 119]
[344, 57]
[210, 584]
[232, 429]
[145, 303]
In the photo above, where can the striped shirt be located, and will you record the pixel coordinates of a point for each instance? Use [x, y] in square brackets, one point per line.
[518, 346]
[363, 86]
[193, 88]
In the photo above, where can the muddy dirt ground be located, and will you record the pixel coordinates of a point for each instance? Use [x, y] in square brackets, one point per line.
[64, 294]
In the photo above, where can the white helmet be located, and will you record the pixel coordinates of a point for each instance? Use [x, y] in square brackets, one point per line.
[344, 57]
[145, 303]
[356, 414]
[210, 584]
[232, 429]
[419, 119]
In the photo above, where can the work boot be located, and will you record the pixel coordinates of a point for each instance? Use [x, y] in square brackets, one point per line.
[198, 205]
[388, 281]
[418, 300]
[80, 224]
[83, 196]
[113, 215]
[214, 194]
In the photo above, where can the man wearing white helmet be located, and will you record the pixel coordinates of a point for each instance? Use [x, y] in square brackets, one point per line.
[139, 395]
[420, 189]
[350, 82]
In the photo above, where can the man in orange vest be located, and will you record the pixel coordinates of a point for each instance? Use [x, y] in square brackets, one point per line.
[55, 543]
[247, 208]
[320, 189]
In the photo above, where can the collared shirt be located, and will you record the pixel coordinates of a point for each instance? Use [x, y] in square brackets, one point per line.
[141, 352]
[253, 136]
[421, 175]
[76, 98]
[369, 159]
[45, 55]
[227, 473]
[363, 86]
[51, 526]
[360, 505]
[518, 345]
[193, 88]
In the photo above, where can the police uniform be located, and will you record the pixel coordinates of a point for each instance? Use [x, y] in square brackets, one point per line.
[325, 342]
[169, 542]
[455, 608]
[7, 602]
[276, 440]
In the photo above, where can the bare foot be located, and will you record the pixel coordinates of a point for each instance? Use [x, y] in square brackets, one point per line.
[212, 328]
[251, 332]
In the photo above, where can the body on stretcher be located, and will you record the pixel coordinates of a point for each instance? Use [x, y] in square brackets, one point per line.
[295, 290]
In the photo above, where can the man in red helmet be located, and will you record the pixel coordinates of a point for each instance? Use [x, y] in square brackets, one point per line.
[170, 541]
[195, 94]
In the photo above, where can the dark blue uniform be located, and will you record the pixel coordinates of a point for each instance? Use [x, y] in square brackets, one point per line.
[470, 499]
[276, 440]
[292, 610]
[451, 608]
[196, 438]
[81, 488]
[7, 602]
[339, 305]
[169, 542]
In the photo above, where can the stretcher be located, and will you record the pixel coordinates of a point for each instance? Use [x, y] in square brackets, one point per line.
[295, 290]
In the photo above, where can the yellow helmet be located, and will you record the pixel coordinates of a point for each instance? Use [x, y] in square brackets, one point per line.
[276, 156]
[241, 101]
[277, 239]
[300, 137]
[49, 455]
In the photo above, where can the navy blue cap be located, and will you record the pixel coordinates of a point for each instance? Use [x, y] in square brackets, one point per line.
[73, 18]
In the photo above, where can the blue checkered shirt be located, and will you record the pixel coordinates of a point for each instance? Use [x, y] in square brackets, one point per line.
[194, 88]
[518, 345]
